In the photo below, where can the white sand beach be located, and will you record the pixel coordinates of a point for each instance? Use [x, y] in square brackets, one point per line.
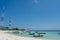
[6, 36]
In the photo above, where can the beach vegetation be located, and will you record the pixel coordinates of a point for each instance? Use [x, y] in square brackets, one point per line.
[22, 29]
[14, 28]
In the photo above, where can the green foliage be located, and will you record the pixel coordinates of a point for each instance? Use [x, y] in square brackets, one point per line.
[15, 29]
[4, 28]
[7, 28]
[22, 29]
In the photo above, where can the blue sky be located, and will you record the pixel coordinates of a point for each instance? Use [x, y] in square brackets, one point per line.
[32, 14]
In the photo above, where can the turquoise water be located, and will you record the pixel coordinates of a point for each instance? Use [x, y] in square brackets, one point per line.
[49, 34]
[52, 35]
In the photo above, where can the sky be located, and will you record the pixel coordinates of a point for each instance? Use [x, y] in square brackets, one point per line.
[32, 14]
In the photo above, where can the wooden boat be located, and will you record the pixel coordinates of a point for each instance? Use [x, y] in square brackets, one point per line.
[37, 35]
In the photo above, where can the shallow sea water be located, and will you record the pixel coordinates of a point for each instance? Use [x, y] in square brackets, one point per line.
[48, 35]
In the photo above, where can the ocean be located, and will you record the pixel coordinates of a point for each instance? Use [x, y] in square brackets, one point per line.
[48, 33]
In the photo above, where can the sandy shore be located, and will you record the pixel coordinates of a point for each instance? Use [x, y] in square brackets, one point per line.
[5, 36]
